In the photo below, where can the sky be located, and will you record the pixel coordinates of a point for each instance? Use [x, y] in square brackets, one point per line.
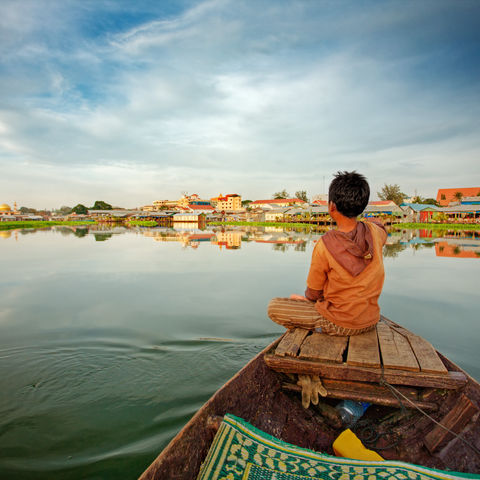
[131, 102]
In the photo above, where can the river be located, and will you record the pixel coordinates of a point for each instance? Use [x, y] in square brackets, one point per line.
[111, 338]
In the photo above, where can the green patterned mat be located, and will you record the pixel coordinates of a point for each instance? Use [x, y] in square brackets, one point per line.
[242, 452]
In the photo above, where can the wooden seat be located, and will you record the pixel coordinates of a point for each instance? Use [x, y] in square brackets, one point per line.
[358, 366]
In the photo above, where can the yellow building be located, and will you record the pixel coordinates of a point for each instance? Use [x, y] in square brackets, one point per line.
[159, 204]
[184, 201]
[4, 208]
[193, 199]
[228, 202]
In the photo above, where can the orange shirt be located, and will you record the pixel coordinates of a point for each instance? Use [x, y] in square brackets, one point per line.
[348, 301]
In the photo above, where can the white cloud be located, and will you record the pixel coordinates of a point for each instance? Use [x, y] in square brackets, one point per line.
[249, 97]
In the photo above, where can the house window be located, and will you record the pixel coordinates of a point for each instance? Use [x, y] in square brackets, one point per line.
[443, 197]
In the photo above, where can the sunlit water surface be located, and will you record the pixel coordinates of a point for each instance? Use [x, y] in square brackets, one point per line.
[111, 340]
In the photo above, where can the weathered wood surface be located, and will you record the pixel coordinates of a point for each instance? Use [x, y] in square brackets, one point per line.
[371, 393]
[363, 350]
[255, 394]
[388, 345]
[395, 349]
[425, 353]
[323, 348]
[291, 341]
[455, 420]
[342, 371]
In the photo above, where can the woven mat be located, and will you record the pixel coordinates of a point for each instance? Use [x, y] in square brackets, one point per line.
[242, 452]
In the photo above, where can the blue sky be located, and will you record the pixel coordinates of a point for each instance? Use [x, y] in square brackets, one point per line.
[131, 102]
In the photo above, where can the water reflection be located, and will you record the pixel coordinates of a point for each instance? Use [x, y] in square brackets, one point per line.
[457, 247]
[445, 243]
[232, 238]
[108, 348]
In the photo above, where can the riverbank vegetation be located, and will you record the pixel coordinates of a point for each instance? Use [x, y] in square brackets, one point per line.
[438, 226]
[398, 226]
[42, 224]
[142, 223]
[265, 224]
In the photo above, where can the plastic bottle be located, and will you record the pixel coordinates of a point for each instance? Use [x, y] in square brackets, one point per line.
[350, 411]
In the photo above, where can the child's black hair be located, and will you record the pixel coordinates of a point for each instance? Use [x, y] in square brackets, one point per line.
[350, 192]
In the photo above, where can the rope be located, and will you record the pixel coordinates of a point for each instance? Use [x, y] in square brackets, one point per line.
[370, 436]
[397, 392]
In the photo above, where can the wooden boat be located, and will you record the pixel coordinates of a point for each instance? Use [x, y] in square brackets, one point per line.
[400, 425]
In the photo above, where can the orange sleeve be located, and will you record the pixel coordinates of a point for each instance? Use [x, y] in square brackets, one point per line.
[380, 228]
[318, 268]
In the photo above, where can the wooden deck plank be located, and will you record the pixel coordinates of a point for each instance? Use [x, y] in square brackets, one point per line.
[396, 350]
[342, 371]
[426, 355]
[363, 350]
[456, 420]
[321, 347]
[290, 343]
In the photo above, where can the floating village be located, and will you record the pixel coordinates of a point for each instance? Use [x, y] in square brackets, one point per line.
[225, 222]
[454, 205]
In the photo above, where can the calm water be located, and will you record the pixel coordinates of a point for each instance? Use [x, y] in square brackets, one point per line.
[110, 340]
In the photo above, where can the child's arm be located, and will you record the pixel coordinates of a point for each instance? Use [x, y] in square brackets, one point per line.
[379, 224]
[316, 278]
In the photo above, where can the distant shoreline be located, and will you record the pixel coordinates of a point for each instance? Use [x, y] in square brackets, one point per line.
[43, 224]
[438, 226]
[426, 226]
[267, 224]
[396, 226]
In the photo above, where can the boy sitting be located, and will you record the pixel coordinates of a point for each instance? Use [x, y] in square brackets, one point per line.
[346, 273]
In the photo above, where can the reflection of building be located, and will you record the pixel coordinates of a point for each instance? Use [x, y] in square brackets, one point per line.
[462, 248]
[189, 236]
[189, 218]
[229, 239]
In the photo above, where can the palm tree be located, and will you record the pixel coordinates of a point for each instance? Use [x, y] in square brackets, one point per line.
[458, 196]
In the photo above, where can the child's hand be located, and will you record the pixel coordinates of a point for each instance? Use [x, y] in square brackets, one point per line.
[294, 296]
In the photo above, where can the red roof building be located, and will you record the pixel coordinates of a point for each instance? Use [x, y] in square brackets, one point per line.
[382, 202]
[447, 195]
[278, 202]
[194, 207]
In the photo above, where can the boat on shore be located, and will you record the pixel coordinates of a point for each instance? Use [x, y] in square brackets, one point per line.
[401, 424]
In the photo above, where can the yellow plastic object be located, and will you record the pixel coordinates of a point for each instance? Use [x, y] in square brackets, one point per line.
[348, 445]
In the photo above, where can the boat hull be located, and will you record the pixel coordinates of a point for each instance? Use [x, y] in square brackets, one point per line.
[255, 394]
